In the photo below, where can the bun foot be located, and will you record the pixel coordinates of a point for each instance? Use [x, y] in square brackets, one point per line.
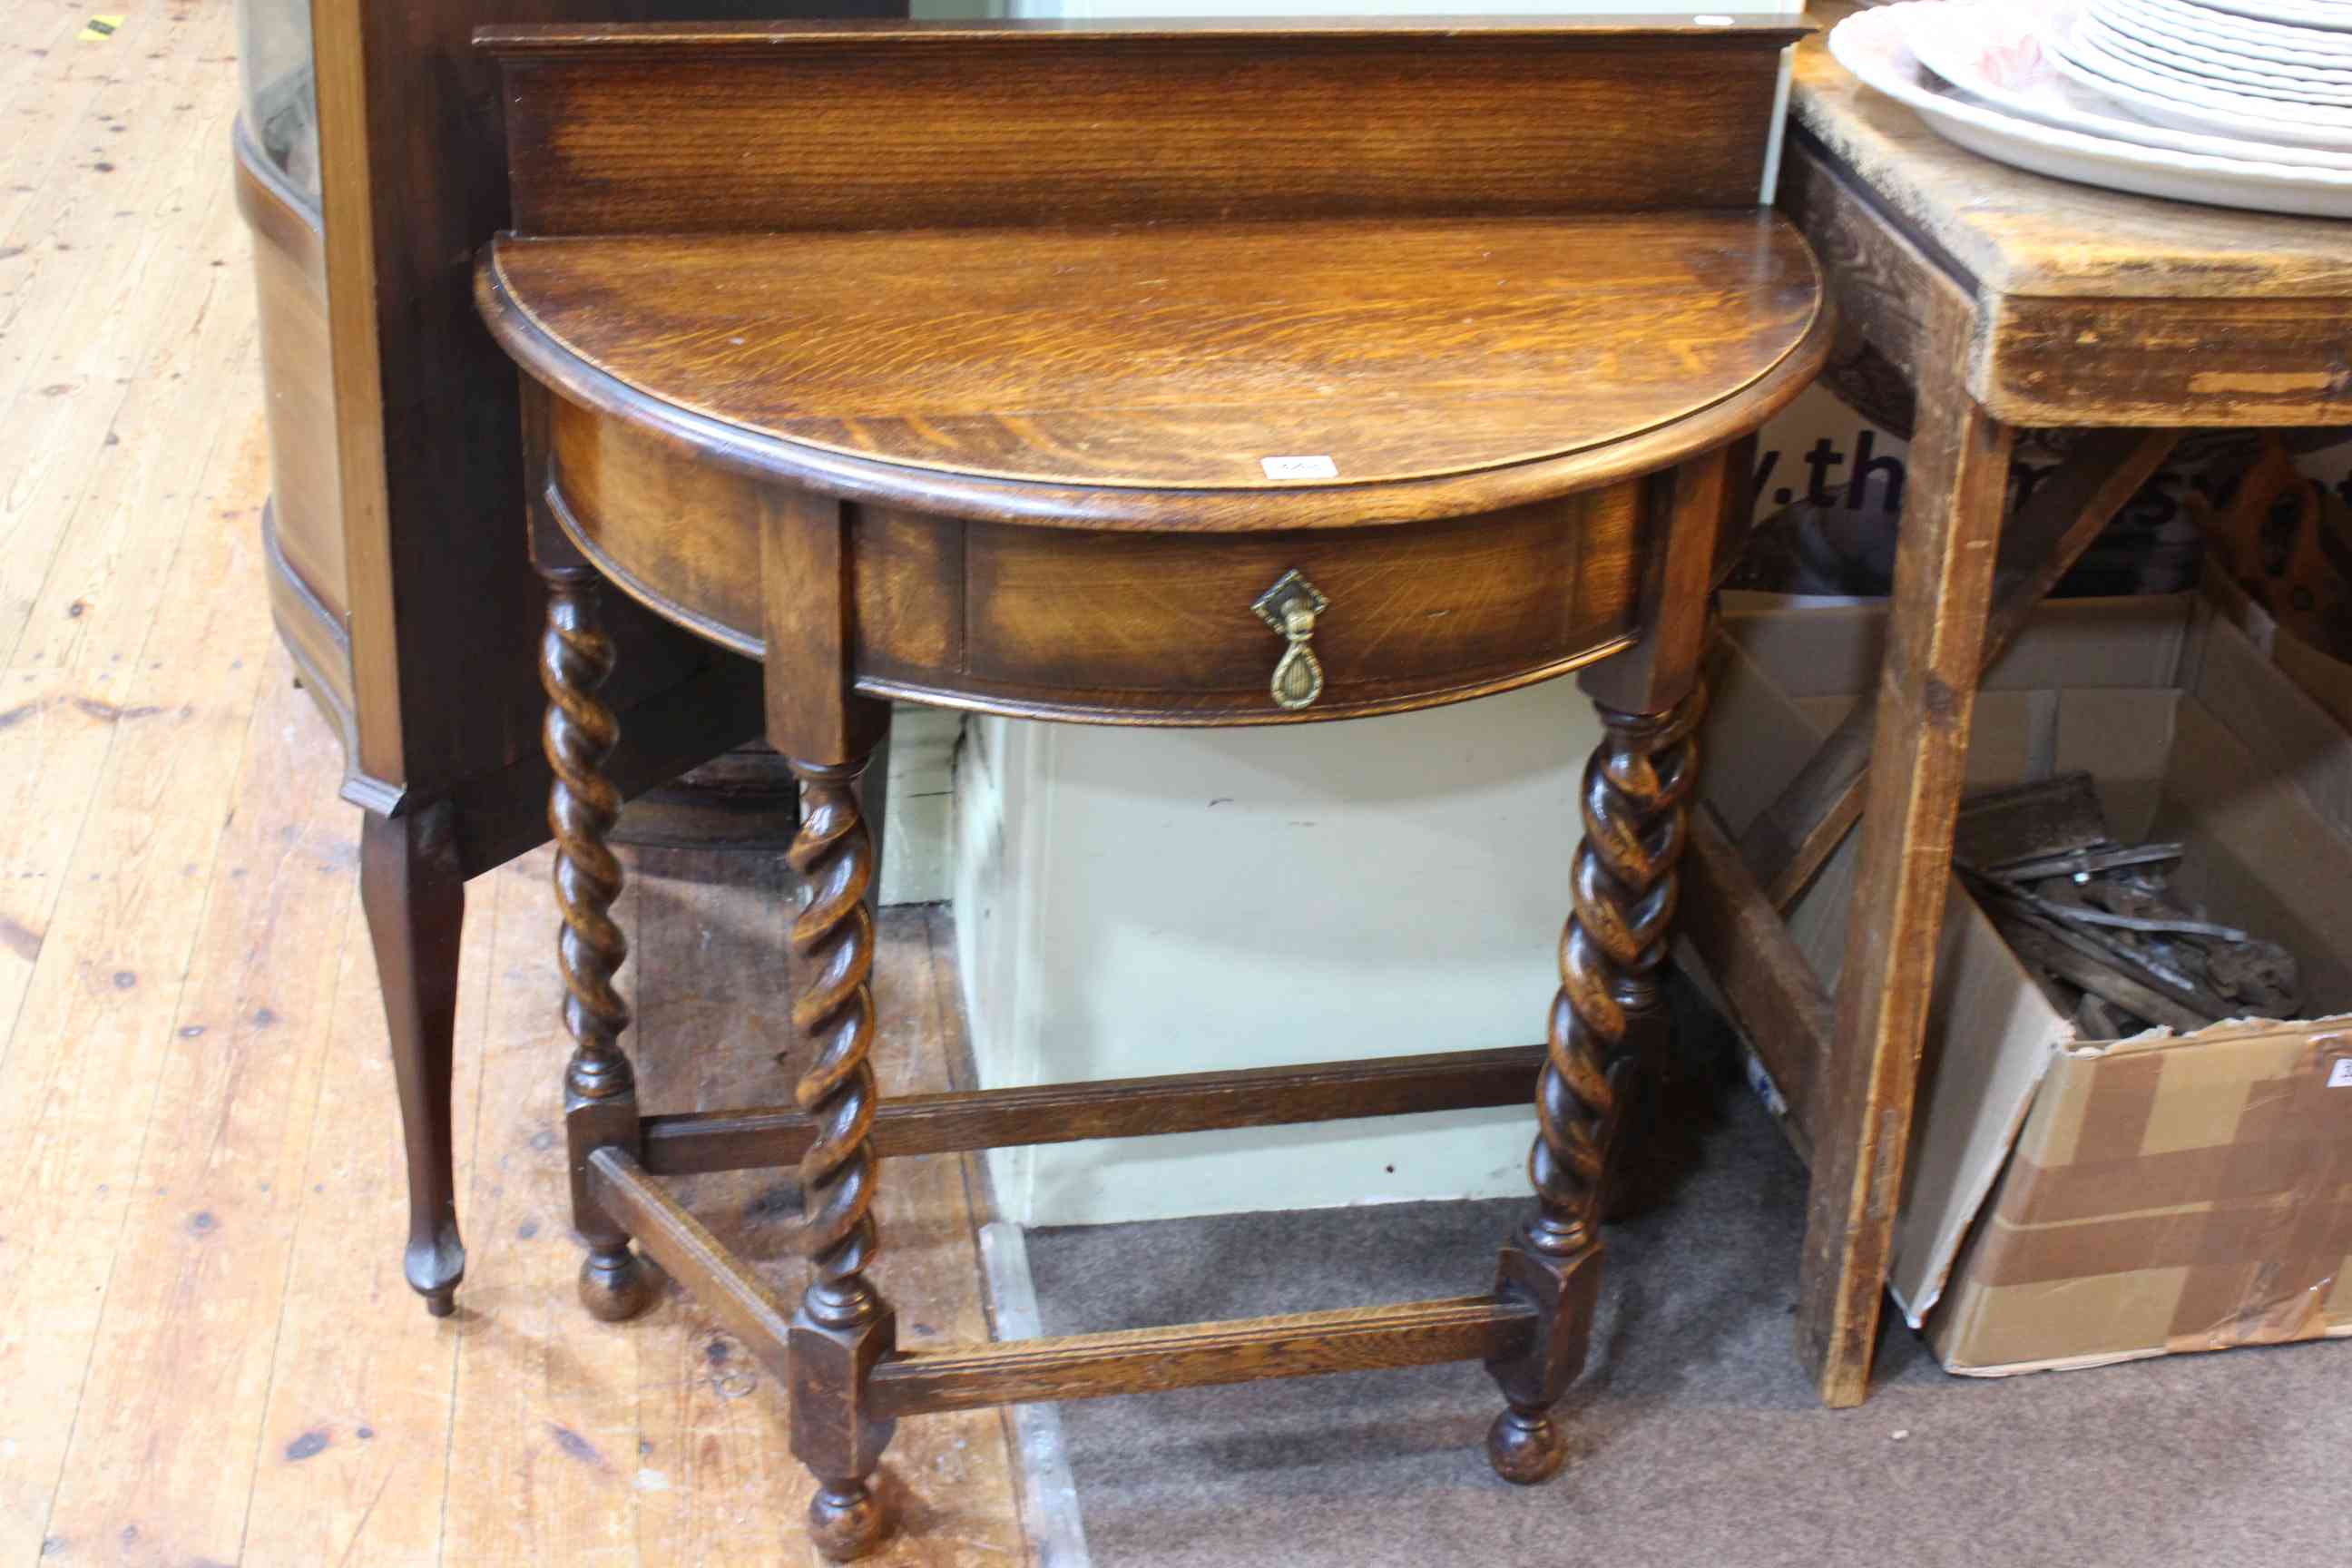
[846, 1521]
[1526, 1447]
[435, 1265]
[615, 1284]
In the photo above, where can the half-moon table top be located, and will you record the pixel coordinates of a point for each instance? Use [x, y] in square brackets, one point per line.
[1178, 371]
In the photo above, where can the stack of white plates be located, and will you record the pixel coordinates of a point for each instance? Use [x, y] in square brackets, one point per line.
[2258, 76]
[2243, 103]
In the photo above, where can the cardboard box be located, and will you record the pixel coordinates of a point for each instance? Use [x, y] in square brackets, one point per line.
[2073, 1202]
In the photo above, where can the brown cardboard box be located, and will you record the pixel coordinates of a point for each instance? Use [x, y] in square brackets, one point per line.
[2075, 1202]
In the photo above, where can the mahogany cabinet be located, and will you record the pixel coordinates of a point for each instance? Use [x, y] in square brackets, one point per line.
[370, 168]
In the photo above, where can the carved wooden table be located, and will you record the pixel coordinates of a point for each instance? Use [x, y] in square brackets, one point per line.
[1236, 375]
[2009, 300]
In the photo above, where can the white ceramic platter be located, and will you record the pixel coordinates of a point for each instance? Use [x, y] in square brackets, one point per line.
[2121, 36]
[2284, 46]
[1870, 45]
[2210, 71]
[1992, 51]
[2335, 15]
[2248, 119]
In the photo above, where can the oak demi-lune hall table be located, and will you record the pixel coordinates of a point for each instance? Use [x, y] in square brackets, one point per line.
[1232, 373]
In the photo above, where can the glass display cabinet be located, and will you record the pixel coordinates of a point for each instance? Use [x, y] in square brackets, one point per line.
[370, 168]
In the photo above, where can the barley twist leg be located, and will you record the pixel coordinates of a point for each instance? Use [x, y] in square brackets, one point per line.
[599, 1089]
[1624, 883]
[843, 1325]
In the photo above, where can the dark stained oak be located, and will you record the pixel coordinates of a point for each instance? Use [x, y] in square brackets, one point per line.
[715, 444]
[1135, 604]
[1076, 1366]
[690, 1142]
[1230, 374]
[694, 1257]
[1181, 357]
[793, 127]
[600, 1088]
[415, 899]
[1140, 1361]
[393, 441]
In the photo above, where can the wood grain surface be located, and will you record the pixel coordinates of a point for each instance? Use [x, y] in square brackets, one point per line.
[290, 269]
[1111, 625]
[1944, 566]
[1183, 358]
[963, 125]
[691, 1142]
[1142, 1361]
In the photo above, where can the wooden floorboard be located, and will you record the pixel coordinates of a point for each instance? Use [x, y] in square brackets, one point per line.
[207, 1353]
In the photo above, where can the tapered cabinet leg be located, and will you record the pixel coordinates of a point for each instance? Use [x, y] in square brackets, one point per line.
[843, 1326]
[1607, 1009]
[600, 1094]
[414, 897]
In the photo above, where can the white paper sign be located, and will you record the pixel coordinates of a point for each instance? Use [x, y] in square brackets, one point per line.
[1317, 468]
[2340, 1075]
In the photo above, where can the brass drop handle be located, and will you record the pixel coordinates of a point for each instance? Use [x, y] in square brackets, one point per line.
[1291, 608]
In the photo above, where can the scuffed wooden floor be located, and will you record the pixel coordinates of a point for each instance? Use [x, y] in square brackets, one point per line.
[207, 1354]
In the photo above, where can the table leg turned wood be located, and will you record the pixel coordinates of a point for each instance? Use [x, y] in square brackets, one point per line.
[414, 892]
[1944, 560]
[600, 1091]
[843, 1326]
[1607, 1013]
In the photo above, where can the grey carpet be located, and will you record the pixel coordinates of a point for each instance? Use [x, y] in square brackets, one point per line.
[1696, 1440]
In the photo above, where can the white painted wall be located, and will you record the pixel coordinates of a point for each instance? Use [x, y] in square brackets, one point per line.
[1133, 902]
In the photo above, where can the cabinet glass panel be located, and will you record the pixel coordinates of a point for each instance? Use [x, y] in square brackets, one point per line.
[281, 99]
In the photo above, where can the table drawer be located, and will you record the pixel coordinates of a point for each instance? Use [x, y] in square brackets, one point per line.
[1164, 626]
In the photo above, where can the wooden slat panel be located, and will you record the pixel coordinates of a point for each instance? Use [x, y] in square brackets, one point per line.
[1775, 997]
[690, 1255]
[964, 127]
[1140, 1361]
[1883, 285]
[2175, 363]
[1110, 1108]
